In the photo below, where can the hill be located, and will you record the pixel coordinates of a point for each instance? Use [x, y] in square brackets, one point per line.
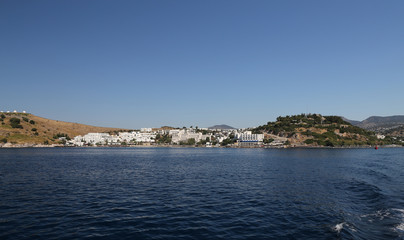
[318, 130]
[24, 128]
[376, 122]
[222, 126]
[384, 125]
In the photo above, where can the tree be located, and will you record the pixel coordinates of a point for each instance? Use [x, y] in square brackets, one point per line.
[268, 140]
[3, 116]
[15, 123]
[32, 122]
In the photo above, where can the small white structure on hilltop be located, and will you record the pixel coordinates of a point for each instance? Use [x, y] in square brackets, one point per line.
[24, 112]
[8, 111]
[15, 111]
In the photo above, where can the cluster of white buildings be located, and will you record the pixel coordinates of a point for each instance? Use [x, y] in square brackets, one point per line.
[107, 139]
[178, 136]
[183, 135]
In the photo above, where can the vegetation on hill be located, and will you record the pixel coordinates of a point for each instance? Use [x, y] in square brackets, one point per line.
[318, 130]
[23, 128]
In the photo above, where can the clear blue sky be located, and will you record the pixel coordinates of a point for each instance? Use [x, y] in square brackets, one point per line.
[135, 64]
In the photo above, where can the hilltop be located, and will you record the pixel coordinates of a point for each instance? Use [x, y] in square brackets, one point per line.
[318, 130]
[24, 128]
[222, 126]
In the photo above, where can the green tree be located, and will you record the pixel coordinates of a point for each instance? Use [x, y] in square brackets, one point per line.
[15, 123]
[191, 141]
[309, 141]
[268, 140]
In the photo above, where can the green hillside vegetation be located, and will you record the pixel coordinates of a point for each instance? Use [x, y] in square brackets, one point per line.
[318, 130]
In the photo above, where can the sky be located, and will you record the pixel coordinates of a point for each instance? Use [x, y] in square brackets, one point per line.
[133, 64]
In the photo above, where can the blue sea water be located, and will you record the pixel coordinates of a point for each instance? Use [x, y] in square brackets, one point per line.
[201, 193]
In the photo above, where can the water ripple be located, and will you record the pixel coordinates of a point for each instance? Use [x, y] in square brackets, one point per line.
[161, 193]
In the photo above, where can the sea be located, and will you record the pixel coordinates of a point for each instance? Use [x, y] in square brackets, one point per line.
[201, 193]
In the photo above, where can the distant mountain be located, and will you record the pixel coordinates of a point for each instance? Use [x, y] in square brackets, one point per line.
[353, 122]
[222, 126]
[379, 124]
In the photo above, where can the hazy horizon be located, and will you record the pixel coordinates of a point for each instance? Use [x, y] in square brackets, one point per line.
[133, 64]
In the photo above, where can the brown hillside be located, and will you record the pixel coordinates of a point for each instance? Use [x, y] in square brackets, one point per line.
[42, 129]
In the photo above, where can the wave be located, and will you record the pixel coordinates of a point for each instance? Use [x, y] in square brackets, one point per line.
[337, 228]
[399, 227]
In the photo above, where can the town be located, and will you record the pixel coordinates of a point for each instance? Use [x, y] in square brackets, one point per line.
[169, 136]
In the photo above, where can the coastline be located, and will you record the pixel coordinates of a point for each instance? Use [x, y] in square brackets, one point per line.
[28, 145]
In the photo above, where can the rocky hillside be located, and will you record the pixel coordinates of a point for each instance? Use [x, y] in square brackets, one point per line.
[318, 130]
[23, 128]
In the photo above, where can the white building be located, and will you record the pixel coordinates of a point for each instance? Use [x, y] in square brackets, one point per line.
[379, 136]
[93, 139]
[247, 136]
[146, 130]
[184, 134]
[147, 137]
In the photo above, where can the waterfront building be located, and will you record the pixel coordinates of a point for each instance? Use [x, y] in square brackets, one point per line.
[247, 136]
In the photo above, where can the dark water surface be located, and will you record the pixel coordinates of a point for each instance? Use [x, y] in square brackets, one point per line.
[195, 193]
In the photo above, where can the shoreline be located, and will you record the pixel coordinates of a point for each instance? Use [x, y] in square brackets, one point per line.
[26, 145]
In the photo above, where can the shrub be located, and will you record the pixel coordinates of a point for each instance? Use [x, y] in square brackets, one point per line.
[59, 135]
[34, 129]
[268, 140]
[3, 116]
[32, 122]
[25, 119]
[329, 143]
[15, 123]
[36, 134]
[46, 142]
[4, 140]
[309, 141]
